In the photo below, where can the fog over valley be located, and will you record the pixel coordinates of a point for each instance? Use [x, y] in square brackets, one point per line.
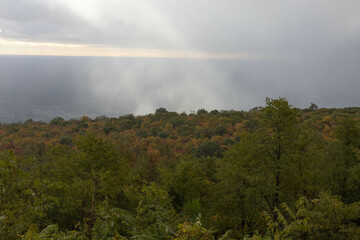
[90, 57]
[43, 87]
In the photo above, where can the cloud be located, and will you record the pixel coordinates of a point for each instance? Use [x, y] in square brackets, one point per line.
[141, 85]
[282, 27]
[304, 50]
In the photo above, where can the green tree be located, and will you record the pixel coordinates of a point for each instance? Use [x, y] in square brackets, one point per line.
[324, 218]
[237, 198]
[279, 134]
[344, 155]
[113, 223]
[189, 180]
[193, 231]
[23, 197]
[87, 176]
[256, 174]
[156, 217]
[51, 232]
[58, 121]
[208, 149]
[161, 111]
[313, 107]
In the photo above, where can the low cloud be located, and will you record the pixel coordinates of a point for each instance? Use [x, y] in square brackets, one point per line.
[281, 27]
[185, 55]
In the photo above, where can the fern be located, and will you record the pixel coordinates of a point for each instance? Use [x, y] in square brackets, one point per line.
[47, 232]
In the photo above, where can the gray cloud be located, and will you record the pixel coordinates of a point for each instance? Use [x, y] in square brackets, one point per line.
[321, 40]
[41, 21]
[291, 27]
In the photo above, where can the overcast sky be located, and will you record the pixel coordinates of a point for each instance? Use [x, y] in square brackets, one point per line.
[280, 27]
[309, 49]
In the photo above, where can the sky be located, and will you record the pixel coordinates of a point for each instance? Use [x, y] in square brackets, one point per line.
[226, 54]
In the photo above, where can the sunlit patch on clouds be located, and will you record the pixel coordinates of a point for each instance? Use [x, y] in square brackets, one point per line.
[126, 28]
[10, 47]
[311, 50]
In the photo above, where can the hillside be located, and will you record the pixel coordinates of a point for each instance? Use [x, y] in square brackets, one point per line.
[260, 173]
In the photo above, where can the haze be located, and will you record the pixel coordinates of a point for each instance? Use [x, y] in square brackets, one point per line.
[112, 57]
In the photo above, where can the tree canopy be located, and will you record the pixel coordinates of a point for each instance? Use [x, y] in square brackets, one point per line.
[274, 172]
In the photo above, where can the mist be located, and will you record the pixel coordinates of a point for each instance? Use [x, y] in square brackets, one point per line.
[307, 52]
[42, 88]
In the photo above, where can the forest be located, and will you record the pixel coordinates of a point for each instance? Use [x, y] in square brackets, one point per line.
[274, 172]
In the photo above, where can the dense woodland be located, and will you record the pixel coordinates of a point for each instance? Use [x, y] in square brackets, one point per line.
[269, 173]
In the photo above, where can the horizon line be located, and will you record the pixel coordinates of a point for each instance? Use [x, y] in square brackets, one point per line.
[28, 48]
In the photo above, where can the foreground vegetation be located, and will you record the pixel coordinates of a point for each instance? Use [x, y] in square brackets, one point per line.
[269, 173]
